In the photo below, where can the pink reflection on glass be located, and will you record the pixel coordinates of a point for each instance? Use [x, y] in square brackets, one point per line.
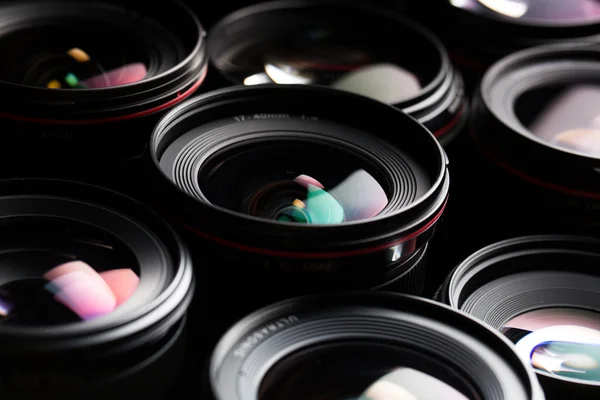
[87, 293]
[130, 73]
[122, 282]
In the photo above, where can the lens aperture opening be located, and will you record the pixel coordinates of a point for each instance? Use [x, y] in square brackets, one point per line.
[564, 342]
[345, 373]
[294, 181]
[564, 116]
[55, 271]
[75, 57]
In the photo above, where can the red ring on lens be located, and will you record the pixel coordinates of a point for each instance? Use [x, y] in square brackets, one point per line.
[311, 255]
[532, 179]
[180, 97]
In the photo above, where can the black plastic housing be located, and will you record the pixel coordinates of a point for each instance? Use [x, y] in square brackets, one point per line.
[118, 355]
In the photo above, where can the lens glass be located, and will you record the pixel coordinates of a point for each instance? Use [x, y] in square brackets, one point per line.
[54, 271]
[294, 181]
[567, 117]
[355, 53]
[72, 57]
[536, 11]
[350, 375]
[562, 341]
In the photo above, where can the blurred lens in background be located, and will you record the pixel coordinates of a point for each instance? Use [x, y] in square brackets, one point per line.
[479, 32]
[319, 43]
[536, 146]
[535, 11]
[565, 116]
[542, 293]
[83, 83]
[94, 290]
[366, 347]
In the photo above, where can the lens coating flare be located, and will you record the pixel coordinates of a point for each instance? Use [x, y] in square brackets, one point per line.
[332, 57]
[571, 119]
[359, 196]
[571, 11]
[76, 286]
[562, 342]
[89, 74]
[410, 384]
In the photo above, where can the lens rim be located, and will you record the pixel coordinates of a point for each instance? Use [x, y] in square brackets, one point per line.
[441, 104]
[452, 292]
[421, 214]
[103, 105]
[253, 337]
[505, 141]
[164, 310]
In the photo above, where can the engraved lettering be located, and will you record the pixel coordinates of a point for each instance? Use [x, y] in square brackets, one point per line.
[261, 334]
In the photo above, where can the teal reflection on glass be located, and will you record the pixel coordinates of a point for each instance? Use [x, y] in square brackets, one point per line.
[567, 351]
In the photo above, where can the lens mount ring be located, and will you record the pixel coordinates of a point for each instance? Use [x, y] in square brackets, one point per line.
[439, 103]
[312, 102]
[254, 345]
[166, 284]
[71, 107]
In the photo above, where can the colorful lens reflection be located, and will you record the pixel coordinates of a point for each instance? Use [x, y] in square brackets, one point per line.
[76, 69]
[359, 196]
[88, 293]
[410, 384]
[571, 120]
[66, 293]
[536, 11]
[562, 342]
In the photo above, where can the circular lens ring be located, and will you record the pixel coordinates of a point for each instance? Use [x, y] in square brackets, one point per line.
[440, 104]
[543, 282]
[71, 200]
[136, 99]
[412, 220]
[502, 137]
[246, 352]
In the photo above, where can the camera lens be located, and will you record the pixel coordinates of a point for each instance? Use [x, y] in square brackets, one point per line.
[296, 42]
[493, 29]
[542, 293]
[78, 77]
[533, 118]
[307, 186]
[367, 346]
[93, 293]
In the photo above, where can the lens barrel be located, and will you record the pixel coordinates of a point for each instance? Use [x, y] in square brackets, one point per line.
[533, 123]
[213, 153]
[347, 45]
[342, 344]
[138, 62]
[531, 286]
[490, 30]
[59, 337]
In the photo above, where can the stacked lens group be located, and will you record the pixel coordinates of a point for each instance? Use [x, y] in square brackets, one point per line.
[330, 200]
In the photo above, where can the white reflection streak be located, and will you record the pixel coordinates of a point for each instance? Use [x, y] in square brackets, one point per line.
[279, 75]
[509, 8]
